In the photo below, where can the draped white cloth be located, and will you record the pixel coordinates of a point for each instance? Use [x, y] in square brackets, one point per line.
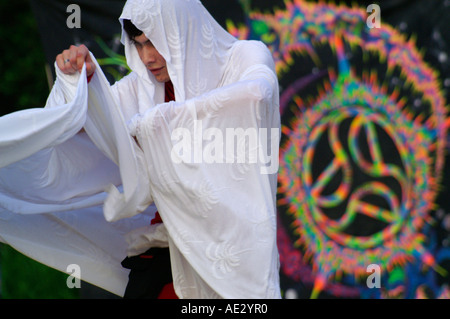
[87, 198]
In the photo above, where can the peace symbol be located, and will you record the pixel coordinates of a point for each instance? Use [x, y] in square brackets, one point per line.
[356, 169]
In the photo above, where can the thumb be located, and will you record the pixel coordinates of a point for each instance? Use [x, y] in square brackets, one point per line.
[90, 65]
[90, 68]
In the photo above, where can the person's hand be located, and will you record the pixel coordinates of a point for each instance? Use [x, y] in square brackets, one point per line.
[71, 60]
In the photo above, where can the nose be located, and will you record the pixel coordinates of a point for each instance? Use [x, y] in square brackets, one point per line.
[148, 55]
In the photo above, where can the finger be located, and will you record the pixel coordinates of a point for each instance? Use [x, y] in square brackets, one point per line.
[86, 53]
[90, 65]
[60, 61]
[67, 65]
[82, 54]
[73, 56]
[63, 62]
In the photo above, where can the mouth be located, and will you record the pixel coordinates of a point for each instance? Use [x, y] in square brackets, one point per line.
[156, 71]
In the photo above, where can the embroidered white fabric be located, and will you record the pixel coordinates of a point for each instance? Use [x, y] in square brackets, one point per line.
[219, 217]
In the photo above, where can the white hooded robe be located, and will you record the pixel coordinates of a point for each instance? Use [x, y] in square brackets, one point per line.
[87, 198]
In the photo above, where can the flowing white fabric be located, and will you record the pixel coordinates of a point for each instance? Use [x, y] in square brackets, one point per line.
[219, 216]
[53, 181]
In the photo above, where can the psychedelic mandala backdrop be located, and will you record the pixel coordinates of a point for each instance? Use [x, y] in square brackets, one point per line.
[364, 176]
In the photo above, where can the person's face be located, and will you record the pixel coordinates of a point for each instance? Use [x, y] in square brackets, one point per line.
[151, 58]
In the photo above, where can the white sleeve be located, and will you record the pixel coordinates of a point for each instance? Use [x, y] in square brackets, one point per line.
[26, 132]
[64, 88]
[46, 164]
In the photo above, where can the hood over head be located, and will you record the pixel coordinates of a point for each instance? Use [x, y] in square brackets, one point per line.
[196, 48]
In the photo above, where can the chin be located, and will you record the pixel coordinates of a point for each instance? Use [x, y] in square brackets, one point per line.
[163, 80]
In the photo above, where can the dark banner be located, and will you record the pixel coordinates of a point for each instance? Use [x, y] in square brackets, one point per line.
[363, 197]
